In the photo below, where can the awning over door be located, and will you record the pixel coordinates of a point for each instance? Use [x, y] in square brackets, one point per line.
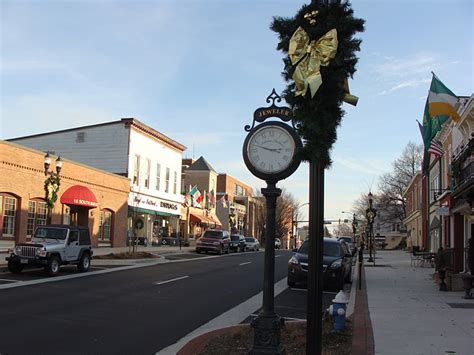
[78, 195]
[207, 220]
[198, 219]
[214, 220]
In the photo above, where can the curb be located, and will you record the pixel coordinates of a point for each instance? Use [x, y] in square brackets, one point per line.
[363, 335]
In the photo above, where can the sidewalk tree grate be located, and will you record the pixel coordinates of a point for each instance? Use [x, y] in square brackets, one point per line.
[461, 305]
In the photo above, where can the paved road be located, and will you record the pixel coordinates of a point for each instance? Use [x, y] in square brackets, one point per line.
[137, 311]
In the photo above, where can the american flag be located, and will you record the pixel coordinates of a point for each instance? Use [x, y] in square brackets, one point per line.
[436, 148]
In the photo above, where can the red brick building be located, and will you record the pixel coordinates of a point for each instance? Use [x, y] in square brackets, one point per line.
[87, 196]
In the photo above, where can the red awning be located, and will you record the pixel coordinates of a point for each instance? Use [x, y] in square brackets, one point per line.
[210, 220]
[214, 219]
[79, 196]
[198, 219]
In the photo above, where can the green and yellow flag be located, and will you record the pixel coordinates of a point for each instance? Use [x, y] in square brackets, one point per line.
[442, 101]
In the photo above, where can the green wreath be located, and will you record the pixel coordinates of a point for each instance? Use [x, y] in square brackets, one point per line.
[51, 188]
[318, 117]
[139, 224]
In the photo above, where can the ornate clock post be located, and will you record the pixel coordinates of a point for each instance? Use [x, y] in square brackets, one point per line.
[270, 153]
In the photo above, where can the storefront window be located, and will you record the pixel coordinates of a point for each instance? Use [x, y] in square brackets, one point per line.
[66, 215]
[37, 216]
[147, 173]
[158, 176]
[9, 212]
[175, 183]
[136, 170]
[105, 225]
[167, 181]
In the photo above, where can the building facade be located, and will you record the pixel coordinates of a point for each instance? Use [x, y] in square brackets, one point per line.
[413, 220]
[197, 216]
[128, 147]
[462, 185]
[86, 196]
[233, 211]
[447, 212]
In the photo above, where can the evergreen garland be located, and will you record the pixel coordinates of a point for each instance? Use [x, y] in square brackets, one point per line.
[51, 188]
[317, 118]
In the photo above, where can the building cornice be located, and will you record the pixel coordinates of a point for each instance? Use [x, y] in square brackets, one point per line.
[140, 126]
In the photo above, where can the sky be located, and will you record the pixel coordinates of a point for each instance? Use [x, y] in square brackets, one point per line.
[197, 70]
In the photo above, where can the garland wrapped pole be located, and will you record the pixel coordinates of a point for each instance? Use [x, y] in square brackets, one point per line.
[321, 57]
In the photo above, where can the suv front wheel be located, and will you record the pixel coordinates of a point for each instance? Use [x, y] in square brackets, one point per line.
[14, 268]
[84, 263]
[52, 267]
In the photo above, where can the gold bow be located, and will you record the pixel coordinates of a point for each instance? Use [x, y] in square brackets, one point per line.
[308, 57]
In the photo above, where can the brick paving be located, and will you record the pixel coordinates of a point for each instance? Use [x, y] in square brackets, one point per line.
[363, 336]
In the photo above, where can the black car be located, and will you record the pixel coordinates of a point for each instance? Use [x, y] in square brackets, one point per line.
[237, 243]
[337, 265]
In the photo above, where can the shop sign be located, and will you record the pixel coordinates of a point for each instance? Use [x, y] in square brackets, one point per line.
[442, 211]
[153, 203]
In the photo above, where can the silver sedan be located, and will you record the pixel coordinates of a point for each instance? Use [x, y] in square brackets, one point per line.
[252, 244]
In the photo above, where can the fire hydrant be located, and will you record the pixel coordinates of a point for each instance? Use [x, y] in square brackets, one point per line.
[338, 310]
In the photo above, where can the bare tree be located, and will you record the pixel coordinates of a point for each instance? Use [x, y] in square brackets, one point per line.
[342, 229]
[392, 185]
[285, 210]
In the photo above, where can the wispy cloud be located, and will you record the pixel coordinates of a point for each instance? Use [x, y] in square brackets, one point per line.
[406, 67]
[396, 74]
[406, 84]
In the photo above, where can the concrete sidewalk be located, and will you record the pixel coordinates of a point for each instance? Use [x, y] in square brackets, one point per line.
[410, 315]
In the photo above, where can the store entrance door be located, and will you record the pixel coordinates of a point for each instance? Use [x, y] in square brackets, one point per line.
[79, 216]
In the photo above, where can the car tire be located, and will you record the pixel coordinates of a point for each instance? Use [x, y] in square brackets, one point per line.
[228, 250]
[291, 283]
[198, 251]
[14, 268]
[220, 250]
[84, 263]
[53, 265]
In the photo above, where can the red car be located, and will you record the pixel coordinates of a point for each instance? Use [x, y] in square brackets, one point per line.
[214, 240]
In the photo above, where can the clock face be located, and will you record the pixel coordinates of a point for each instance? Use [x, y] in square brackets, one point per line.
[271, 149]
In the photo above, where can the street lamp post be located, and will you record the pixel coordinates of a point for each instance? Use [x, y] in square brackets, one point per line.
[355, 224]
[370, 214]
[51, 185]
[295, 224]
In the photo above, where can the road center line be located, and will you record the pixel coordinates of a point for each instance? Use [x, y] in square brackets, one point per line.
[248, 262]
[176, 279]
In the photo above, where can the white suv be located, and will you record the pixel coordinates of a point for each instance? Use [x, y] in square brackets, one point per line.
[52, 246]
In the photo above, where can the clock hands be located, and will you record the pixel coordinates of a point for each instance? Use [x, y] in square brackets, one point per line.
[270, 149]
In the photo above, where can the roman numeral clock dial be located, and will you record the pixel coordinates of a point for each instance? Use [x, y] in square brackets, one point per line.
[270, 150]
